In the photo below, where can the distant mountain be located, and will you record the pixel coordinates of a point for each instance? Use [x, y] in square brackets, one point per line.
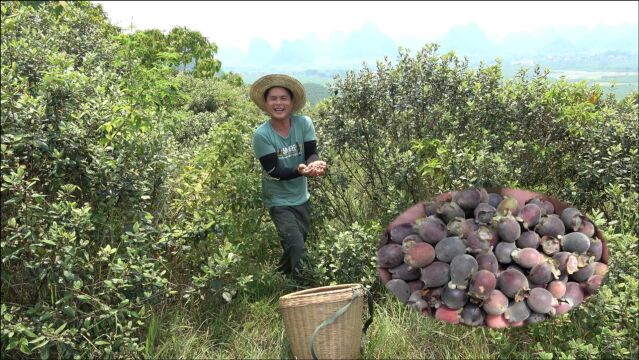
[366, 43]
[468, 40]
[293, 53]
[520, 44]
[559, 46]
[578, 45]
[260, 53]
[605, 38]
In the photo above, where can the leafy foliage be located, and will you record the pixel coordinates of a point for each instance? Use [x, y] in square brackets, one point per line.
[87, 130]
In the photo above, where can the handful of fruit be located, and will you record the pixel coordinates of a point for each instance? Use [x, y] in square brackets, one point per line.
[315, 168]
[498, 259]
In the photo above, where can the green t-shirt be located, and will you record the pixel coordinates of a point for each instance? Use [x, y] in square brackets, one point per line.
[290, 153]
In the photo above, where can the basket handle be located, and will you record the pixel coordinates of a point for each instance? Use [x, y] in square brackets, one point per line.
[341, 312]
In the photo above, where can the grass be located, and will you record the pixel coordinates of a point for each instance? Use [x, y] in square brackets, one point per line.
[400, 332]
[247, 328]
[251, 328]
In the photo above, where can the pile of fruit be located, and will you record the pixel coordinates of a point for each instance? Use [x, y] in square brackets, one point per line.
[482, 259]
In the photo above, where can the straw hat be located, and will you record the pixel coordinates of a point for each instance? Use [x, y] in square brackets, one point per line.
[261, 85]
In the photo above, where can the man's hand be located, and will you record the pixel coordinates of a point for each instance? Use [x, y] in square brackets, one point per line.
[313, 169]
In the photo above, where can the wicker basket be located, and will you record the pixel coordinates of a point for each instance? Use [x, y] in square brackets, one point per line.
[305, 310]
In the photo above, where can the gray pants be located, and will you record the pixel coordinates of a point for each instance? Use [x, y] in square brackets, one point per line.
[292, 224]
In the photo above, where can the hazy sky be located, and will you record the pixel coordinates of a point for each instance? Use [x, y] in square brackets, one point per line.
[235, 23]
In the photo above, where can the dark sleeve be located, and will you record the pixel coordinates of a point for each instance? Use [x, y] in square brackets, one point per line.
[272, 167]
[310, 148]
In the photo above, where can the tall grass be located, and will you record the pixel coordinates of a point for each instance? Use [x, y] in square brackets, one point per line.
[251, 328]
[400, 332]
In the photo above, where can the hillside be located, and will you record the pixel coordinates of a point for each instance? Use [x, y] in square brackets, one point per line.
[134, 223]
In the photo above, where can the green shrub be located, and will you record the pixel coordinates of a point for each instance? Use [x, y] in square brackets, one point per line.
[345, 257]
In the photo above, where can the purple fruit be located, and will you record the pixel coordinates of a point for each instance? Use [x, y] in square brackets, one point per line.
[550, 225]
[450, 316]
[383, 239]
[529, 216]
[557, 289]
[399, 288]
[527, 257]
[481, 240]
[508, 206]
[517, 311]
[482, 284]
[411, 240]
[575, 242]
[494, 199]
[562, 308]
[593, 283]
[513, 284]
[433, 297]
[405, 272]
[416, 301]
[583, 274]
[415, 285]
[448, 248]
[548, 206]
[450, 210]
[496, 303]
[390, 255]
[419, 254]
[459, 227]
[472, 315]
[472, 224]
[503, 252]
[432, 229]
[487, 261]
[550, 245]
[489, 233]
[484, 213]
[528, 239]
[596, 249]
[516, 267]
[541, 300]
[508, 228]
[462, 268]
[566, 262]
[537, 201]
[535, 318]
[563, 278]
[496, 321]
[543, 273]
[469, 199]
[399, 232]
[583, 260]
[571, 218]
[430, 208]
[435, 274]
[587, 227]
[454, 298]
[574, 296]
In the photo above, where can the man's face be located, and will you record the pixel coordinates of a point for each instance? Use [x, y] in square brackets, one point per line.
[278, 103]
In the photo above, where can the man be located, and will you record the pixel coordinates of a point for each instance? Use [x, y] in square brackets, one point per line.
[286, 147]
